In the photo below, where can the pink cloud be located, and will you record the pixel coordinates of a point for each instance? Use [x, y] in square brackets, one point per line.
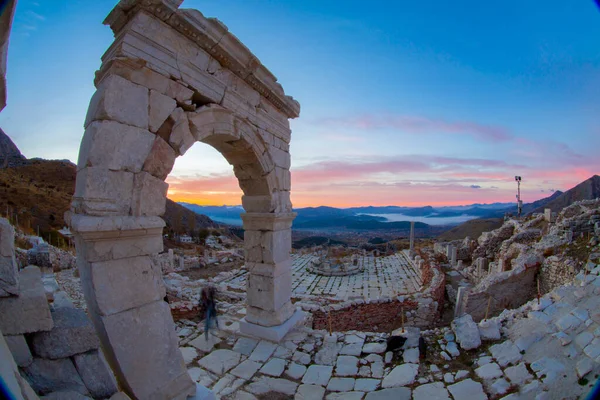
[421, 125]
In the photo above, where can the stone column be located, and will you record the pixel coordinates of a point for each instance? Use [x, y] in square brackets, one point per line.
[411, 248]
[124, 293]
[171, 260]
[459, 308]
[453, 255]
[181, 263]
[268, 245]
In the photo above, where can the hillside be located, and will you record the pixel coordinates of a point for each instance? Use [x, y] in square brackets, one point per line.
[586, 190]
[473, 228]
[181, 219]
[38, 192]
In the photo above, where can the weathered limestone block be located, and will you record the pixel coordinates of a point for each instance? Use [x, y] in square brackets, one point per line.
[211, 120]
[277, 246]
[149, 195]
[161, 159]
[267, 246]
[29, 312]
[9, 275]
[46, 376]
[283, 178]
[262, 317]
[120, 100]
[277, 202]
[281, 158]
[19, 349]
[115, 146]
[135, 71]
[269, 293]
[111, 238]
[181, 138]
[266, 204]
[96, 374]
[467, 332]
[161, 107]
[145, 353]
[103, 191]
[126, 283]
[72, 334]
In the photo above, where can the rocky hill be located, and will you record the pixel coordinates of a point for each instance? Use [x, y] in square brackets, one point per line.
[38, 192]
[586, 190]
[10, 156]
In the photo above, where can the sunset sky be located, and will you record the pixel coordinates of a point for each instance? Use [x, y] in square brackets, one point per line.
[403, 103]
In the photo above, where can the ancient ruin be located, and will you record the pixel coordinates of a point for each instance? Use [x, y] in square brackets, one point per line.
[171, 78]
[511, 314]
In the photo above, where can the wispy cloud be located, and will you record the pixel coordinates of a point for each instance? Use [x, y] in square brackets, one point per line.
[35, 15]
[420, 125]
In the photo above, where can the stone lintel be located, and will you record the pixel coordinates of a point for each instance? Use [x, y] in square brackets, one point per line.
[267, 221]
[212, 36]
[273, 333]
[92, 228]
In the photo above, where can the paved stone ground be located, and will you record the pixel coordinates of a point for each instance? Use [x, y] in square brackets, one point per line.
[547, 351]
[382, 278]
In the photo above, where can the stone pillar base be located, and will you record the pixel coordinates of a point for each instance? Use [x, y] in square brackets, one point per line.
[272, 333]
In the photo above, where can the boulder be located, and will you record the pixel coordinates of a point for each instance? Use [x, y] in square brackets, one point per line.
[73, 333]
[47, 376]
[96, 374]
[467, 332]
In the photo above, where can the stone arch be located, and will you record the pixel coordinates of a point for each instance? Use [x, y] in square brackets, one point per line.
[170, 79]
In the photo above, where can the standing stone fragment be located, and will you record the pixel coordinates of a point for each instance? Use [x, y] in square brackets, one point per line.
[9, 276]
[28, 312]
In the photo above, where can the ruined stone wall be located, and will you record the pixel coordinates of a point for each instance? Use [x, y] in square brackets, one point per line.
[510, 290]
[555, 272]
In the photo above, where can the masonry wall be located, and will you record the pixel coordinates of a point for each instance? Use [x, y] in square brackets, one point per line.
[515, 289]
[556, 272]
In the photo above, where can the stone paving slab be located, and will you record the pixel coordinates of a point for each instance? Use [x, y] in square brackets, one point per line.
[382, 277]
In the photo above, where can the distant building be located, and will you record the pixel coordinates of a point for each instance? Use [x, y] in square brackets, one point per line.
[185, 239]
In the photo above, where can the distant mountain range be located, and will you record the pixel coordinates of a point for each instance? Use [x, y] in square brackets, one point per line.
[372, 217]
[481, 216]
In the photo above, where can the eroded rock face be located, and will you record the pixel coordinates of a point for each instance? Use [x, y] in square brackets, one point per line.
[10, 156]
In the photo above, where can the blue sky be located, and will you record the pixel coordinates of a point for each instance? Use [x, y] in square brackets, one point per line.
[402, 102]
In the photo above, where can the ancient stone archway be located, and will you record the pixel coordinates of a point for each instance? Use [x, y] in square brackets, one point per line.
[173, 77]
